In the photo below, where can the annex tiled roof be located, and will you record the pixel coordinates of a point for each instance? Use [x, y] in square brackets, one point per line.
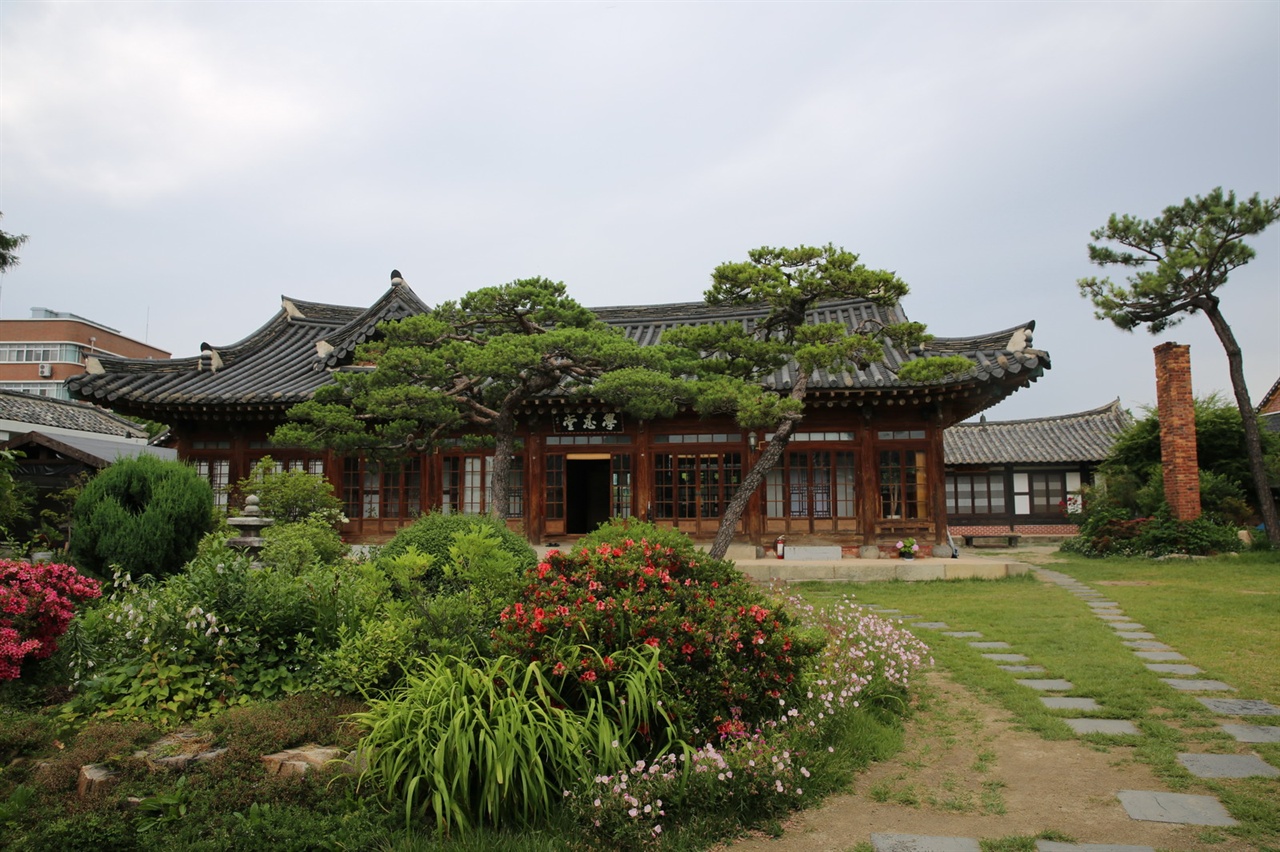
[1083, 437]
[293, 354]
[65, 414]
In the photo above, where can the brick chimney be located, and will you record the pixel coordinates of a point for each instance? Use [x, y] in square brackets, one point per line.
[1176, 409]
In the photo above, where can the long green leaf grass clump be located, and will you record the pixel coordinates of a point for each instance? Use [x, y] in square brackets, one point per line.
[492, 742]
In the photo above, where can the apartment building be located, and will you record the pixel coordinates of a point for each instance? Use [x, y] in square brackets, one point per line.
[38, 353]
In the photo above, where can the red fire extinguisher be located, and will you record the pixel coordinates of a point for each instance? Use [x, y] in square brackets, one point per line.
[780, 546]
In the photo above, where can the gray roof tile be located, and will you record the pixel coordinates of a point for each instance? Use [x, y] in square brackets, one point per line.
[45, 411]
[1083, 437]
[289, 357]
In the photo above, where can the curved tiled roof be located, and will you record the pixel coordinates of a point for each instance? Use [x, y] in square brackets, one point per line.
[293, 354]
[279, 365]
[995, 354]
[65, 414]
[1083, 437]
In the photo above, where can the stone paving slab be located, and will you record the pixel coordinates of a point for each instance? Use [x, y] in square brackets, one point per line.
[1174, 807]
[1054, 702]
[1146, 645]
[1104, 604]
[1127, 625]
[1055, 846]
[1112, 615]
[1240, 707]
[1158, 656]
[963, 634]
[990, 645]
[1116, 727]
[1228, 766]
[1021, 669]
[922, 843]
[1135, 634]
[1047, 685]
[1190, 685]
[1007, 658]
[1174, 668]
[931, 625]
[880, 610]
[1254, 733]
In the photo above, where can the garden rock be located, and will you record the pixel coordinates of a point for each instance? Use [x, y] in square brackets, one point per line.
[300, 761]
[94, 777]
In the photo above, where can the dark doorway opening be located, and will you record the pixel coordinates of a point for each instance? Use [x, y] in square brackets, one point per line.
[587, 496]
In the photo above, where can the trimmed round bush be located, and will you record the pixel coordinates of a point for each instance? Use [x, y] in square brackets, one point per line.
[433, 534]
[143, 514]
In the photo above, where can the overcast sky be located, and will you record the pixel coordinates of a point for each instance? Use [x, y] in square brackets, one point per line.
[180, 166]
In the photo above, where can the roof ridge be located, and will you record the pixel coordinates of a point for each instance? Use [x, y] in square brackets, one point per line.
[1109, 408]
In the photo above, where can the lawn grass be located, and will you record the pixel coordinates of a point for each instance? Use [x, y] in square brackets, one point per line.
[1223, 614]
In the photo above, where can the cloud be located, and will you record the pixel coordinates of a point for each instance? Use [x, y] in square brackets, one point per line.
[139, 108]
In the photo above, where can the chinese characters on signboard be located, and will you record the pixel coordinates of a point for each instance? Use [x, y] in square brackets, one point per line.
[588, 421]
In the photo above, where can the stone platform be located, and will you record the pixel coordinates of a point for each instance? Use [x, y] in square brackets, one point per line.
[879, 570]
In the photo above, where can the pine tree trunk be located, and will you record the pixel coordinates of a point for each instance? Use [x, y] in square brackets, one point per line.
[500, 472]
[768, 458]
[1252, 437]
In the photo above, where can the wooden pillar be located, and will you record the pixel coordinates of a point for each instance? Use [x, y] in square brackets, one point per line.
[937, 483]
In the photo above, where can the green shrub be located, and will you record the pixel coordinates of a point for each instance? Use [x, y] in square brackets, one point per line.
[143, 514]
[309, 543]
[221, 633]
[291, 496]
[735, 653]
[1109, 531]
[433, 534]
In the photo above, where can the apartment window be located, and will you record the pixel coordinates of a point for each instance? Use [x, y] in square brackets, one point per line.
[22, 353]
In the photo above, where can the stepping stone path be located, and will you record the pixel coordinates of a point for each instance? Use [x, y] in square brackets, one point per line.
[1115, 727]
[1254, 733]
[1055, 846]
[922, 843]
[1174, 807]
[1138, 804]
[1048, 685]
[1227, 766]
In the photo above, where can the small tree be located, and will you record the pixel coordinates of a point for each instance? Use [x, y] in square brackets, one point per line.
[1181, 258]
[9, 245]
[142, 514]
[720, 368]
[466, 365]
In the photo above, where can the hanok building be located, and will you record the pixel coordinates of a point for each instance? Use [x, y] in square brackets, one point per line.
[864, 466]
[1024, 476]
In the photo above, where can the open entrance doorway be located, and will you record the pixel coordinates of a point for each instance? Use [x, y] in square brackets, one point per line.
[588, 497]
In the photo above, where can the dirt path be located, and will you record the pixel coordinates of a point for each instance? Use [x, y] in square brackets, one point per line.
[967, 772]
